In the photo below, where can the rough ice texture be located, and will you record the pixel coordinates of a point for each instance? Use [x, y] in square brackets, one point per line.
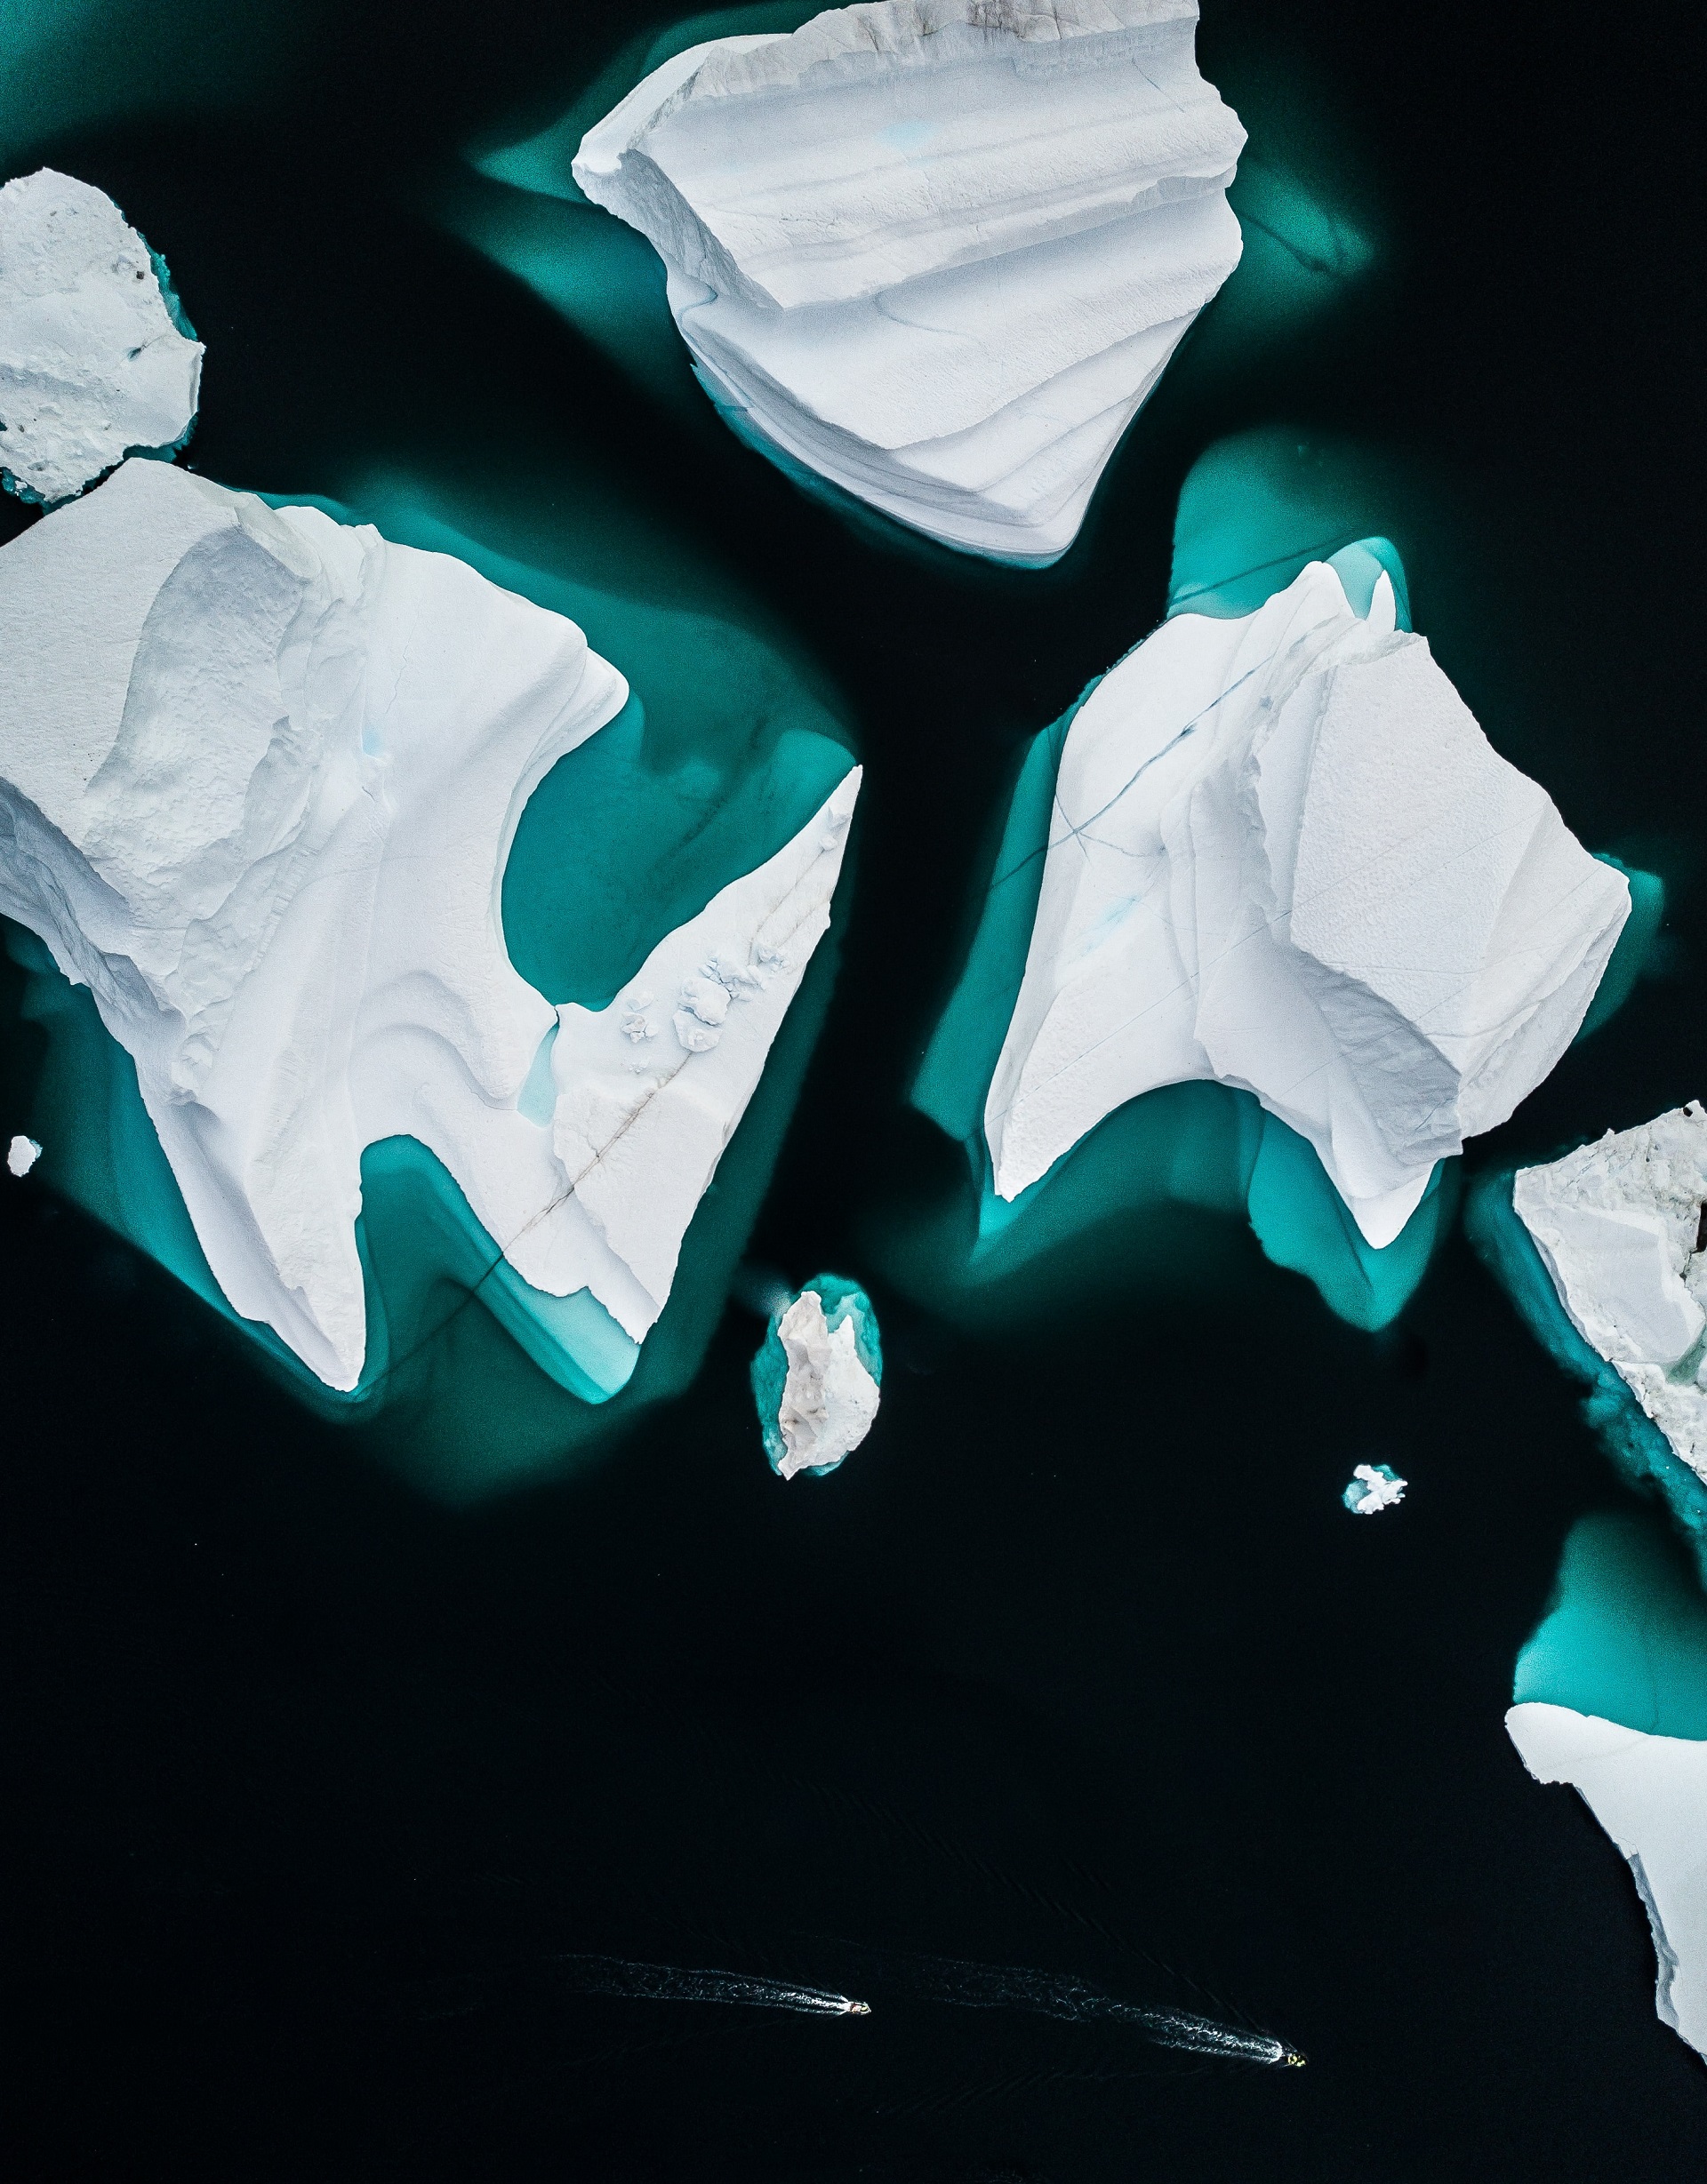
[1283, 856]
[1374, 1487]
[1618, 1224]
[92, 364]
[828, 1399]
[21, 1155]
[1649, 1793]
[260, 772]
[938, 251]
[817, 1375]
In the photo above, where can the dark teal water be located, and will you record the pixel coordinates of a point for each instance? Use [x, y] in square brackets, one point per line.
[1078, 1664]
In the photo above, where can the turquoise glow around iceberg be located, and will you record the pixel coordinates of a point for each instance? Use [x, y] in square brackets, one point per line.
[723, 753]
[1626, 1632]
[841, 1300]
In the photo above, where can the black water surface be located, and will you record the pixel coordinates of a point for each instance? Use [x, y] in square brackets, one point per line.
[1079, 1664]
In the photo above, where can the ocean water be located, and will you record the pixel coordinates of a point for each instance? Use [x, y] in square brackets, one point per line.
[1076, 1665]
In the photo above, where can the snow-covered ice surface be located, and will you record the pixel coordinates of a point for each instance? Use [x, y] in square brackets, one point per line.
[92, 364]
[937, 251]
[1649, 1793]
[1283, 856]
[1618, 1225]
[21, 1155]
[817, 1378]
[258, 776]
[1374, 1487]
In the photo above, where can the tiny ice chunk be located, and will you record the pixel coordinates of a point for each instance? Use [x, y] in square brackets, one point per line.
[23, 1154]
[1373, 1486]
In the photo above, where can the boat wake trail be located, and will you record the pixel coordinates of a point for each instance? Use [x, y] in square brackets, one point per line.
[1001, 1987]
[615, 1975]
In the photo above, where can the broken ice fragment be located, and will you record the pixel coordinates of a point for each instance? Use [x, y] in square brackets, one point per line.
[935, 254]
[816, 1377]
[1618, 1225]
[95, 361]
[1374, 1487]
[21, 1155]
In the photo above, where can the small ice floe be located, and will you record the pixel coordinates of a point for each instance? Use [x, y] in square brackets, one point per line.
[816, 1378]
[1620, 1226]
[1373, 1486]
[96, 358]
[21, 1155]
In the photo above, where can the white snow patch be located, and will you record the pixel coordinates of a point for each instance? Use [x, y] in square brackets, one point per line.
[92, 364]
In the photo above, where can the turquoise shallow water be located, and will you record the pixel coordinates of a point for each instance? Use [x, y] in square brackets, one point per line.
[1079, 1664]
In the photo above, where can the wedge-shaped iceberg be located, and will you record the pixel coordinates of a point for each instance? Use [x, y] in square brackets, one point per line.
[95, 360]
[1283, 856]
[817, 1376]
[259, 772]
[935, 252]
[1650, 1794]
[1618, 1225]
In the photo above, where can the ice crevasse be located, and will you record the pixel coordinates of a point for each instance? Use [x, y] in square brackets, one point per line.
[259, 772]
[935, 252]
[1283, 856]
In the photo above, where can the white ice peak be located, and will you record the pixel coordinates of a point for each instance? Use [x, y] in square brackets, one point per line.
[937, 251]
[1618, 1224]
[828, 1399]
[92, 364]
[1649, 1793]
[260, 772]
[1283, 856]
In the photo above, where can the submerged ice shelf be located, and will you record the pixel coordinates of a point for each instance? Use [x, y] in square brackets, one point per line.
[1283, 856]
[817, 1376]
[260, 774]
[935, 252]
[1618, 1224]
[95, 360]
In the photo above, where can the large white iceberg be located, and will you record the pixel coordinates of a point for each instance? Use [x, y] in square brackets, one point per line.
[92, 364]
[258, 776]
[1649, 1793]
[938, 251]
[1618, 1225]
[1285, 856]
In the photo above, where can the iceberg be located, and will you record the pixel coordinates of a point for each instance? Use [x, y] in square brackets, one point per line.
[1282, 856]
[259, 774]
[1374, 1487]
[21, 1155]
[816, 1377]
[936, 252]
[1648, 1793]
[1619, 1224]
[96, 360]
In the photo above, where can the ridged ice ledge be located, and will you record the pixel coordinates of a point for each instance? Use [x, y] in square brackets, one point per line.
[1285, 856]
[937, 251]
[260, 772]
